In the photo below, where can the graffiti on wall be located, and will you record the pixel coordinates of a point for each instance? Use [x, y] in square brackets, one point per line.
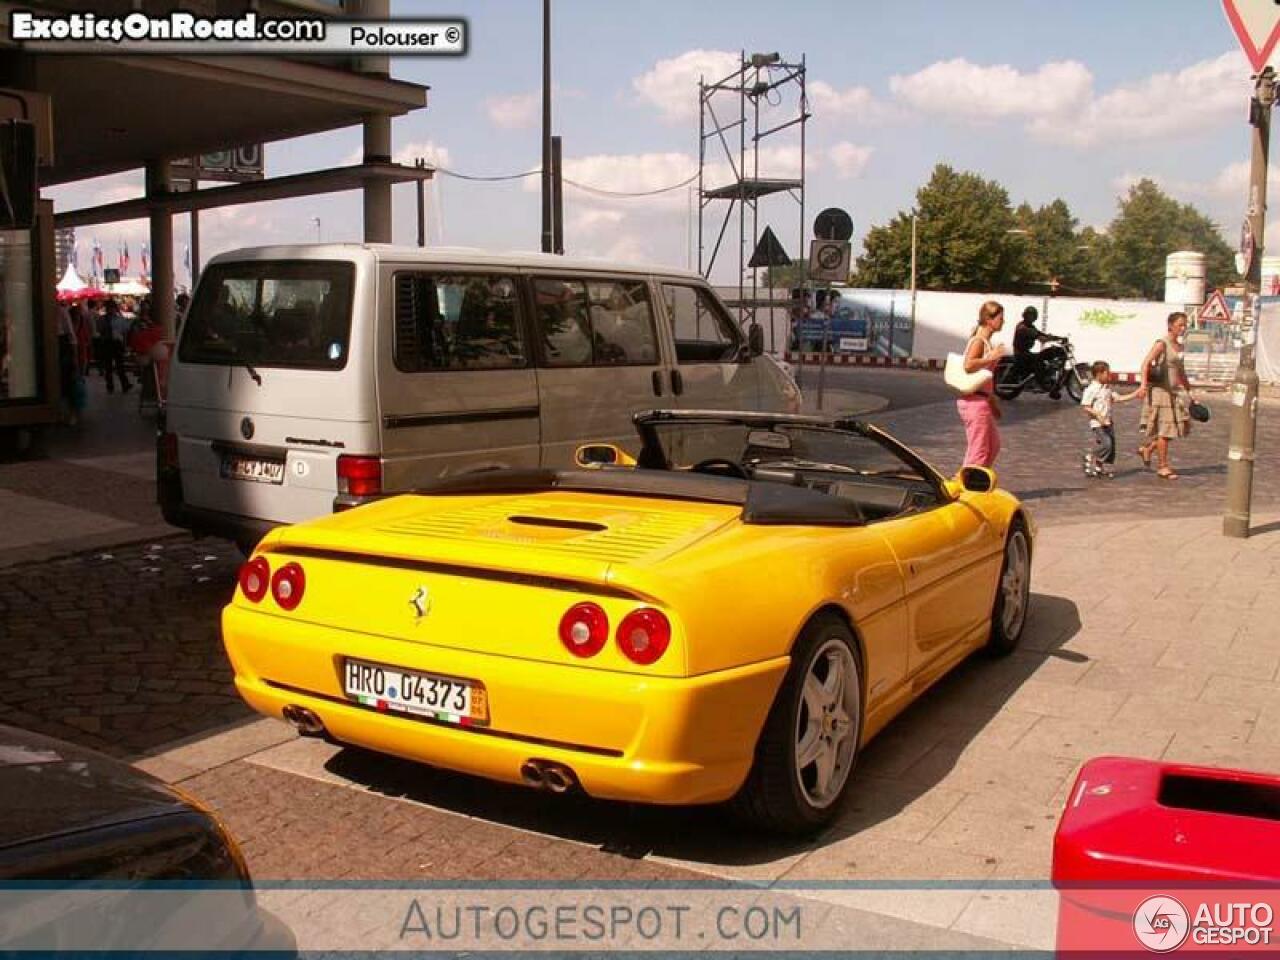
[1103, 319]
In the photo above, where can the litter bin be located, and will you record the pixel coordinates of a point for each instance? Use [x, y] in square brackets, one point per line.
[1156, 857]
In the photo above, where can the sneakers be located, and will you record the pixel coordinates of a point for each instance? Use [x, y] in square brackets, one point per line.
[1090, 465]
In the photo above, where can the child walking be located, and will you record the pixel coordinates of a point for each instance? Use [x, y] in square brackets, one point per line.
[1097, 400]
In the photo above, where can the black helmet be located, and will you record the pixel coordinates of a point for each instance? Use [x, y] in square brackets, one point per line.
[1030, 314]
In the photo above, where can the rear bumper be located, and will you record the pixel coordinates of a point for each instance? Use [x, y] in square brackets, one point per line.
[626, 736]
[246, 531]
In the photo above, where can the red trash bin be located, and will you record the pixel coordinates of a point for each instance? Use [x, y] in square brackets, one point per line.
[1157, 857]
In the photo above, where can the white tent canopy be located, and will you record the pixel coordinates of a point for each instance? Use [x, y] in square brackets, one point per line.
[71, 281]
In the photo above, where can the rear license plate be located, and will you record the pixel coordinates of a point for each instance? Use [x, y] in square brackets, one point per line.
[383, 687]
[235, 467]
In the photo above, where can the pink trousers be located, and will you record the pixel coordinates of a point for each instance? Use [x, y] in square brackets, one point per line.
[979, 429]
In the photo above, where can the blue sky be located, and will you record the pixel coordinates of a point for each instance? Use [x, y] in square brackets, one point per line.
[1070, 99]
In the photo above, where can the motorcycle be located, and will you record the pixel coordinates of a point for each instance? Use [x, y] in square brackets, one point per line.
[1056, 370]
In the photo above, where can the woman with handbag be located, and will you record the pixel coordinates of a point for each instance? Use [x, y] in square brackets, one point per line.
[1166, 396]
[979, 410]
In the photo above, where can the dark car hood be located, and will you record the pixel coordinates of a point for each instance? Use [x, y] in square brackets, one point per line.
[50, 787]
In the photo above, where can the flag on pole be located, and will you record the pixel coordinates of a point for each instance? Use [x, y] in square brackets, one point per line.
[186, 260]
[97, 260]
[75, 256]
[122, 261]
[145, 256]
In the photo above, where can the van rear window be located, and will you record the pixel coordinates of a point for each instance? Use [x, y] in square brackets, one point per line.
[271, 314]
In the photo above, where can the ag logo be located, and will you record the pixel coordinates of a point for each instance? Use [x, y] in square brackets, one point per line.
[246, 428]
[1161, 924]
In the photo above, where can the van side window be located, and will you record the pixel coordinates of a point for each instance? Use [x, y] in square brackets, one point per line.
[595, 322]
[457, 322]
[701, 330]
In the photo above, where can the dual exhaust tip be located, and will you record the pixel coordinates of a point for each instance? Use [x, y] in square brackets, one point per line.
[304, 721]
[548, 775]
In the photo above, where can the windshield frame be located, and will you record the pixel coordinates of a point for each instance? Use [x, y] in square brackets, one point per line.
[653, 454]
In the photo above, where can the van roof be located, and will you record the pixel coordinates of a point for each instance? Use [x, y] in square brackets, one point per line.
[461, 256]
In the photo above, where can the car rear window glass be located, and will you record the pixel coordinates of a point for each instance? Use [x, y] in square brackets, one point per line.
[271, 314]
[465, 321]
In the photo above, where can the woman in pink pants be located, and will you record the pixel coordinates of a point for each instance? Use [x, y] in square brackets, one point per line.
[980, 410]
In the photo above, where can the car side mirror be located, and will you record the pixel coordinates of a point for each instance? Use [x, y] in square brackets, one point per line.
[601, 455]
[755, 340]
[977, 479]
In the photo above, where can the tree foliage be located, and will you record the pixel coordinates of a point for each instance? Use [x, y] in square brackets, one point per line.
[969, 237]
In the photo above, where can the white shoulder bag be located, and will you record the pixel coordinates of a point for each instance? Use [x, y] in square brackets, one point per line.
[959, 379]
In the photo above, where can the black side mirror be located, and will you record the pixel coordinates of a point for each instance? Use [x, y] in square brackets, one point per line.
[755, 340]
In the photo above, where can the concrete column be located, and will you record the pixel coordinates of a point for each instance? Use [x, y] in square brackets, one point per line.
[158, 182]
[377, 134]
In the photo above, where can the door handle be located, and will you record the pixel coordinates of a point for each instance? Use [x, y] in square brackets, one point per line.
[657, 383]
[677, 383]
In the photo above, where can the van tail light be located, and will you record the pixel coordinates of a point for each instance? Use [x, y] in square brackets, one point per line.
[584, 629]
[169, 451]
[288, 585]
[359, 476]
[255, 577]
[644, 635]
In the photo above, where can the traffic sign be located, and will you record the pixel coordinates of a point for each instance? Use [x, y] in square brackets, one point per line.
[1215, 309]
[833, 224]
[830, 260]
[769, 251]
[1257, 27]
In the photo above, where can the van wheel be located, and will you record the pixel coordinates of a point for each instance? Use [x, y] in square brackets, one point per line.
[810, 740]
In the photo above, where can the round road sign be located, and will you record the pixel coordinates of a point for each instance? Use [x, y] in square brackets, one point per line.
[833, 224]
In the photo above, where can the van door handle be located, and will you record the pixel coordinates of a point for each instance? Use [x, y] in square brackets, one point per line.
[677, 383]
[657, 383]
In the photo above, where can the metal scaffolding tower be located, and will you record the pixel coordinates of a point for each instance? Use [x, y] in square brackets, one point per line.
[761, 76]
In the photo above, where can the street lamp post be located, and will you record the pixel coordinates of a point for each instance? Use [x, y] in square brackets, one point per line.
[1244, 392]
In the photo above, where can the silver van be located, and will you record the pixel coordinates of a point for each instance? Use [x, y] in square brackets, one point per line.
[310, 379]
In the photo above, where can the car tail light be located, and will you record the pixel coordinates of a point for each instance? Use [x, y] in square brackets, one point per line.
[288, 585]
[169, 451]
[255, 577]
[644, 635]
[359, 476]
[584, 629]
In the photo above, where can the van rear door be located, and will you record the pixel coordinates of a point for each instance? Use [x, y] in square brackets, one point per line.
[270, 386]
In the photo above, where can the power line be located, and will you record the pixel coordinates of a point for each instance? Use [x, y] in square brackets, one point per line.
[585, 187]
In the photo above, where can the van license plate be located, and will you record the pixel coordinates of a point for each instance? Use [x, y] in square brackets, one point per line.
[408, 691]
[250, 468]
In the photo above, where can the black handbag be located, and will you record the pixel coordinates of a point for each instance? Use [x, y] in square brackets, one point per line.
[1198, 412]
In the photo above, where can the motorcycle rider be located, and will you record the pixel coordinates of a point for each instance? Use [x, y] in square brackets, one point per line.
[1025, 337]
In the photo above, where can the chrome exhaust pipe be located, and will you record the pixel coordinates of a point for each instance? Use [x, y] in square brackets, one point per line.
[558, 779]
[304, 721]
[531, 774]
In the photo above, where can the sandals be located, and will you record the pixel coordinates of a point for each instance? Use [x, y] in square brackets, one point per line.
[1164, 473]
[1144, 453]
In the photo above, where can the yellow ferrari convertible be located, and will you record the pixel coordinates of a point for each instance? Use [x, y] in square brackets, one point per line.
[730, 615]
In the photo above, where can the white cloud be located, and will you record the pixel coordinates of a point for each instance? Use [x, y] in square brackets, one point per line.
[516, 112]
[849, 159]
[1204, 94]
[854, 103]
[429, 150]
[971, 91]
[672, 85]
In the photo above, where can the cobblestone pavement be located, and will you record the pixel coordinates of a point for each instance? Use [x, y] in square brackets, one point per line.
[119, 650]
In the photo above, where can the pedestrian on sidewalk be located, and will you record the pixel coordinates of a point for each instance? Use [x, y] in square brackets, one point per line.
[1097, 401]
[980, 410]
[83, 324]
[117, 328]
[1167, 397]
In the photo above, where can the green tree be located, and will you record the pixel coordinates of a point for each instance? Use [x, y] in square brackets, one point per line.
[963, 240]
[1149, 226]
[784, 277]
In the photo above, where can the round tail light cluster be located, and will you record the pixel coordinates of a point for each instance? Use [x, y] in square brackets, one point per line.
[255, 578]
[287, 584]
[643, 636]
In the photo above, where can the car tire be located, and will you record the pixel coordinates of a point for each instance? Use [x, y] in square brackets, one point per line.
[1013, 592]
[782, 794]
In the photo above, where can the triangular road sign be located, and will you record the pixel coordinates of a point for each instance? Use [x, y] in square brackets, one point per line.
[769, 252]
[1215, 309]
[1257, 27]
